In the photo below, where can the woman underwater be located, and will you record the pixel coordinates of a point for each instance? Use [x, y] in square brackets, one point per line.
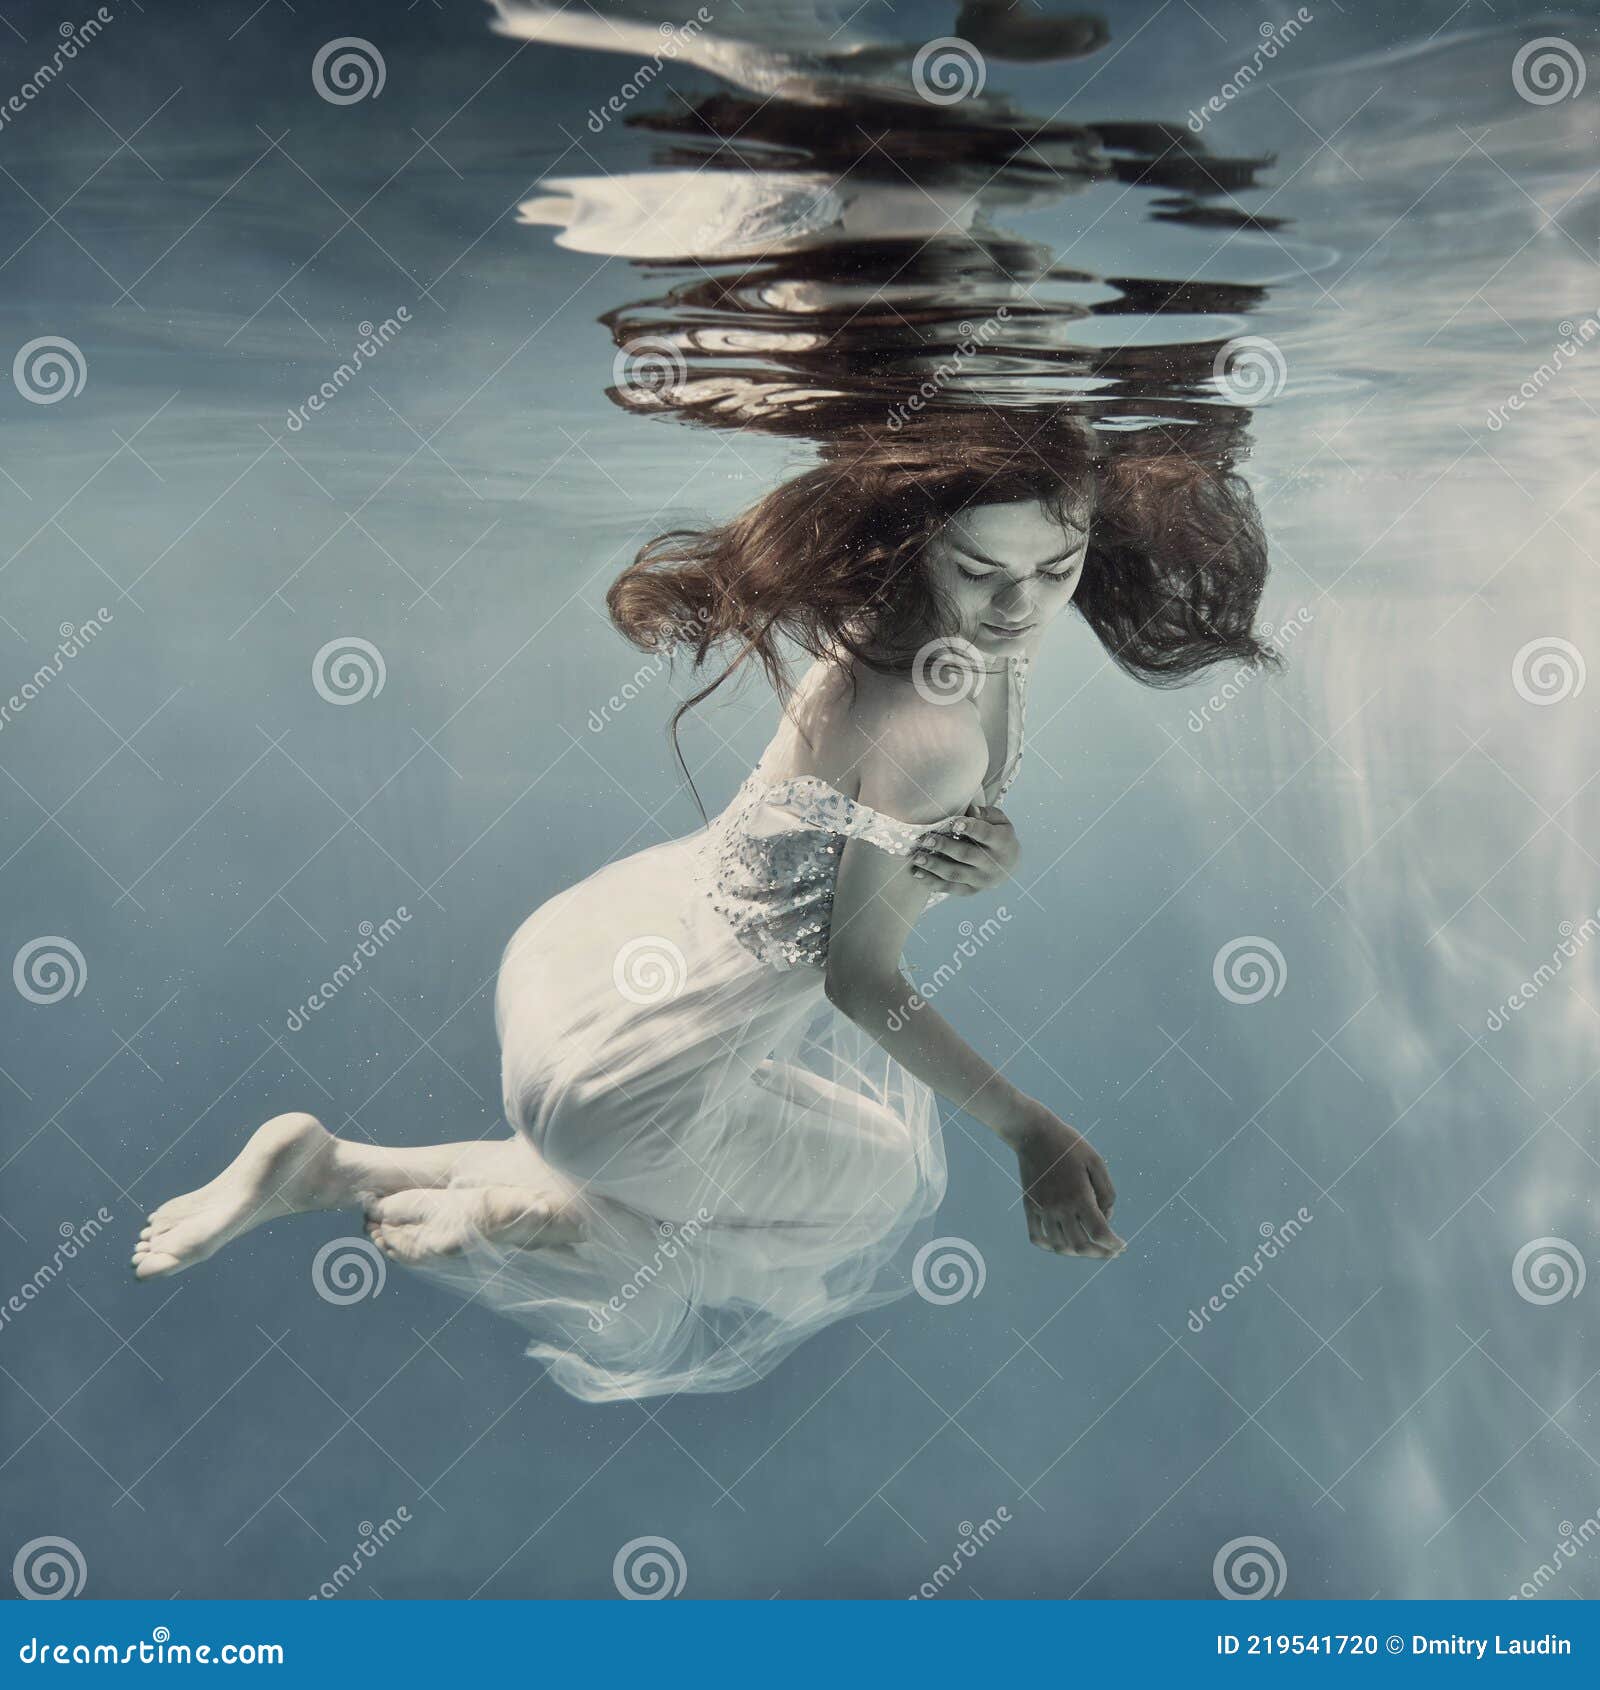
[721, 1084]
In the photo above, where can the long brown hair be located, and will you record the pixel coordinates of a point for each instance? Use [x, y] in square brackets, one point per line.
[831, 560]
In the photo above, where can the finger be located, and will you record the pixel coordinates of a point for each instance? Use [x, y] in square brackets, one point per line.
[1102, 1240]
[1098, 1227]
[1104, 1191]
[958, 850]
[972, 828]
[952, 877]
[1035, 1220]
[1077, 1235]
[1055, 1225]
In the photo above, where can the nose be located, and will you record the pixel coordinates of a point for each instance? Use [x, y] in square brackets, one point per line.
[1015, 601]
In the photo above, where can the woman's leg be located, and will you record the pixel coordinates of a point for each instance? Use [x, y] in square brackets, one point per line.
[290, 1166]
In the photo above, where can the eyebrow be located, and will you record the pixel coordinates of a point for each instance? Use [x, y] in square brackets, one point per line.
[1049, 563]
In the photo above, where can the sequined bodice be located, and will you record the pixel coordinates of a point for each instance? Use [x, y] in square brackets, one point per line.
[771, 857]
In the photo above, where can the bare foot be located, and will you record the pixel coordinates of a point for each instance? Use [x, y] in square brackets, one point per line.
[287, 1168]
[426, 1225]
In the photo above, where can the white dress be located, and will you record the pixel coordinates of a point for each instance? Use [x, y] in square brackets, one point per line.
[752, 1164]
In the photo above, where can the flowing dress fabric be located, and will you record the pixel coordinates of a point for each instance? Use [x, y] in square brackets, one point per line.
[751, 1165]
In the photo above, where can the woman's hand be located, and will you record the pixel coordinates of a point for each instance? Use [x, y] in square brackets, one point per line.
[975, 852]
[1067, 1195]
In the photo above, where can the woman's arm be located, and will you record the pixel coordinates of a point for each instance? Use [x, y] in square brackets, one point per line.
[877, 899]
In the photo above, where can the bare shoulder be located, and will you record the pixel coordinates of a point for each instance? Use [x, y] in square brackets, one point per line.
[919, 759]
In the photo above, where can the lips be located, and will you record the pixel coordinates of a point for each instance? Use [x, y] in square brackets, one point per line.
[1007, 633]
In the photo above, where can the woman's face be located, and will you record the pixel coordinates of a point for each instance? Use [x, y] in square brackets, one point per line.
[1009, 570]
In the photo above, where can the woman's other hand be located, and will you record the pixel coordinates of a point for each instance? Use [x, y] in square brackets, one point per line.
[975, 853]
